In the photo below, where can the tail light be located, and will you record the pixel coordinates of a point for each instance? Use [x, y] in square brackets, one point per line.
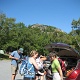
[73, 75]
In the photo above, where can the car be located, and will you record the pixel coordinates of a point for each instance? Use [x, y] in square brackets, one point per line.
[68, 54]
[74, 74]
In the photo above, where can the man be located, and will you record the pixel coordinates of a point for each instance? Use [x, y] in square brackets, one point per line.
[15, 57]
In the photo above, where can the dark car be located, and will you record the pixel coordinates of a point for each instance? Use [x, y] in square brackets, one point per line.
[68, 54]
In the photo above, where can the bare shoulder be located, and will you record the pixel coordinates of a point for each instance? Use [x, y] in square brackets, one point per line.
[32, 60]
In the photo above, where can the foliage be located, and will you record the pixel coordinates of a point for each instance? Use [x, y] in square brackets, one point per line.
[4, 56]
[34, 36]
[76, 33]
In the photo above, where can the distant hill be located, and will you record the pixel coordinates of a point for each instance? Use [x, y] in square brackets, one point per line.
[45, 27]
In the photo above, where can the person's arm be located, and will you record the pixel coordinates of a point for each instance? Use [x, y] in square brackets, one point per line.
[58, 67]
[34, 63]
[60, 72]
[12, 57]
[43, 58]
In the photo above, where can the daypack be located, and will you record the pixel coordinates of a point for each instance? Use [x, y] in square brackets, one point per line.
[26, 69]
[62, 64]
[23, 66]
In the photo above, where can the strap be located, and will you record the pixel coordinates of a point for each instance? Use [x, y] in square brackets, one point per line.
[27, 63]
[30, 68]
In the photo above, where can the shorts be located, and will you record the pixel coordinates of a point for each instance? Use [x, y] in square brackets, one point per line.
[56, 76]
[14, 69]
[28, 78]
[40, 72]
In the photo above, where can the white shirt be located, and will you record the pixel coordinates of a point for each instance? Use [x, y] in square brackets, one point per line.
[39, 62]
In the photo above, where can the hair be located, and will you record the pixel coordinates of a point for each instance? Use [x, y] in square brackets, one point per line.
[33, 52]
[53, 54]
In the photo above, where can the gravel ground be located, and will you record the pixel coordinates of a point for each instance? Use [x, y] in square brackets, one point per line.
[5, 71]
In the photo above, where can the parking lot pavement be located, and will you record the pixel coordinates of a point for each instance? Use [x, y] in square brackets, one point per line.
[5, 71]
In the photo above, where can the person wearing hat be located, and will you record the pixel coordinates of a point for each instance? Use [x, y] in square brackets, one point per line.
[15, 57]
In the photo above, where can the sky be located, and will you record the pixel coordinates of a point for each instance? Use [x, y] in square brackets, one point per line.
[58, 13]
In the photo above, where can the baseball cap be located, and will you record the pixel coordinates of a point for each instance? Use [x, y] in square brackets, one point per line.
[21, 50]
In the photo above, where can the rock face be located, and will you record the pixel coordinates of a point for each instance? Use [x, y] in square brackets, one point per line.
[44, 27]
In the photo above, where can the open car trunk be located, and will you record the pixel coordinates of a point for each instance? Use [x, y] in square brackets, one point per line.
[62, 49]
[65, 52]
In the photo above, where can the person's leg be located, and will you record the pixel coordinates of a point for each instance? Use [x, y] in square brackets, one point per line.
[42, 77]
[14, 72]
[13, 77]
[36, 78]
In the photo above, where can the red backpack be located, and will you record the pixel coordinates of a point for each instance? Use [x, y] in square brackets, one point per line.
[63, 64]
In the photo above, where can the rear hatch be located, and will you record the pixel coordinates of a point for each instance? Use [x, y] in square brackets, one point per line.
[65, 52]
[62, 49]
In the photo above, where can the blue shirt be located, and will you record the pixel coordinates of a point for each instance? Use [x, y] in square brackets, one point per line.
[16, 55]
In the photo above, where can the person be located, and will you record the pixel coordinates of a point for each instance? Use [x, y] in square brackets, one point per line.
[40, 73]
[31, 66]
[15, 59]
[63, 64]
[56, 68]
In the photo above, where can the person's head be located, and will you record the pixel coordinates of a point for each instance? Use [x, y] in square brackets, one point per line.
[34, 53]
[20, 50]
[52, 56]
[43, 57]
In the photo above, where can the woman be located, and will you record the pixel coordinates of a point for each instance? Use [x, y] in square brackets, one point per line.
[56, 68]
[40, 73]
[31, 66]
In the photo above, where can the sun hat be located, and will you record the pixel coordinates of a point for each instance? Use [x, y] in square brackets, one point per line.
[21, 50]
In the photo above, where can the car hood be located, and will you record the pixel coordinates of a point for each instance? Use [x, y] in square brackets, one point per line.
[62, 49]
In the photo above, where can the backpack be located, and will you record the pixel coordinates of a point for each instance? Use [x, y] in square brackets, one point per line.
[60, 61]
[62, 64]
[23, 66]
[25, 70]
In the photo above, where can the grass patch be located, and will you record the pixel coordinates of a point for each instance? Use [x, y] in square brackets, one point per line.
[4, 56]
